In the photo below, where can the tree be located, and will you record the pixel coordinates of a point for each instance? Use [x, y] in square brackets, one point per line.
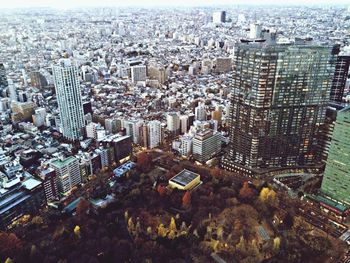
[8, 242]
[161, 189]
[143, 161]
[162, 230]
[83, 207]
[267, 194]
[276, 243]
[216, 172]
[246, 192]
[186, 199]
[77, 231]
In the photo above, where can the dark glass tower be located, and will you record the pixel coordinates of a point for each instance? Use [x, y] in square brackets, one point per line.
[279, 98]
[340, 76]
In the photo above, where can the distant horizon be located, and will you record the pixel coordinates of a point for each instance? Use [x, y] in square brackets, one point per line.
[72, 4]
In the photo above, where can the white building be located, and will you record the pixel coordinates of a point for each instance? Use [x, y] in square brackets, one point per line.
[132, 128]
[219, 17]
[138, 73]
[184, 124]
[200, 112]
[69, 99]
[255, 31]
[154, 133]
[173, 122]
[185, 146]
[91, 130]
[206, 144]
[67, 172]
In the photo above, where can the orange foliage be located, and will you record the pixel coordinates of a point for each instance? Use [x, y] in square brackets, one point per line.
[216, 172]
[161, 189]
[186, 199]
[246, 192]
[143, 161]
[8, 242]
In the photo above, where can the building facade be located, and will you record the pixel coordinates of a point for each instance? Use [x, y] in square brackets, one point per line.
[206, 144]
[155, 133]
[341, 74]
[336, 179]
[69, 99]
[68, 173]
[279, 98]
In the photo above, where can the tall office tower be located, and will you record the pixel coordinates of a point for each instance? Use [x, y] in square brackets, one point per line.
[184, 124]
[69, 100]
[200, 112]
[138, 73]
[132, 128]
[219, 17]
[279, 98]
[173, 123]
[154, 133]
[3, 78]
[12, 91]
[340, 77]
[144, 138]
[336, 179]
[67, 172]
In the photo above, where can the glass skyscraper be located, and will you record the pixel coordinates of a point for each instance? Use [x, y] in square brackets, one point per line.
[279, 98]
[69, 99]
[336, 179]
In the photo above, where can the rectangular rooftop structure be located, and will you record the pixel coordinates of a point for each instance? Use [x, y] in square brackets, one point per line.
[185, 180]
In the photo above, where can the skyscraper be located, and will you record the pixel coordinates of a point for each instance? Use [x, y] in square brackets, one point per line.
[336, 179]
[3, 78]
[279, 97]
[69, 100]
[155, 133]
[340, 76]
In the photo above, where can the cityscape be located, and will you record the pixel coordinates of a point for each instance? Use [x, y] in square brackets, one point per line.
[184, 132]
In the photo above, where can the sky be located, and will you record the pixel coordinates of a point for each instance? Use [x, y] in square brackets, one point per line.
[149, 3]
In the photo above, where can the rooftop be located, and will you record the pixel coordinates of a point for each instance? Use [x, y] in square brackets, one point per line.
[184, 177]
[62, 163]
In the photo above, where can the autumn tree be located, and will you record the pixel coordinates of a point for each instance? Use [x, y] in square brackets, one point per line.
[83, 207]
[143, 161]
[246, 192]
[8, 242]
[161, 189]
[267, 195]
[186, 199]
[216, 172]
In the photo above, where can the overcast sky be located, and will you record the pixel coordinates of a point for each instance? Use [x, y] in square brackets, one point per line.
[122, 3]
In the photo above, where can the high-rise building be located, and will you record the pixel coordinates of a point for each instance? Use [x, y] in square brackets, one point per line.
[255, 31]
[154, 133]
[223, 64]
[200, 112]
[3, 78]
[184, 124]
[336, 179]
[69, 99]
[138, 73]
[206, 144]
[67, 172]
[173, 123]
[219, 17]
[277, 105]
[340, 77]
